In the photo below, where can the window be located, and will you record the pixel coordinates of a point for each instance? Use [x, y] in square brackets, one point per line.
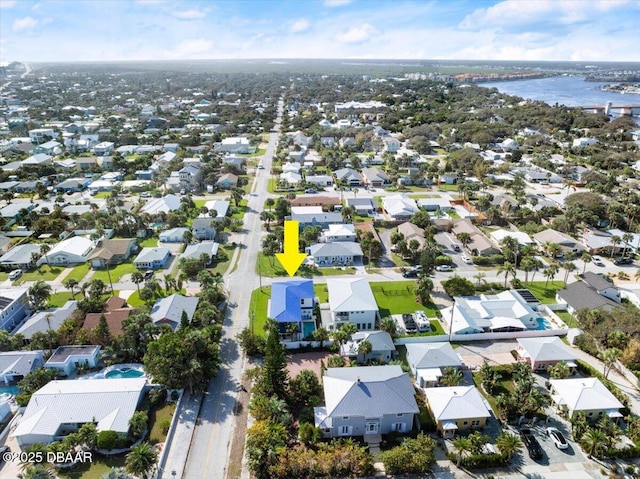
[465, 423]
[475, 422]
[398, 426]
[400, 415]
[345, 417]
[345, 430]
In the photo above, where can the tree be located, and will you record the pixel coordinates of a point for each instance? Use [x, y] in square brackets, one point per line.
[615, 241]
[412, 456]
[458, 286]
[586, 258]
[451, 377]
[609, 357]
[370, 246]
[264, 441]
[274, 378]
[187, 237]
[527, 265]
[479, 277]
[269, 202]
[462, 446]
[272, 409]
[507, 269]
[321, 335]
[44, 249]
[236, 195]
[560, 370]
[364, 347]
[389, 325]
[37, 471]
[343, 333]
[550, 273]
[39, 294]
[71, 283]
[593, 442]
[510, 248]
[305, 389]
[137, 277]
[568, 267]
[141, 460]
[116, 473]
[138, 424]
[464, 238]
[101, 334]
[508, 444]
[423, 289]
[33, 381]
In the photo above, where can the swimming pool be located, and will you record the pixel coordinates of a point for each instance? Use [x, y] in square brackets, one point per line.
[124, 373]
[543, 324]
[12, 390]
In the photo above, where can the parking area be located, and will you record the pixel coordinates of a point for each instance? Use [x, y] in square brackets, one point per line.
[296, 362]
[494, 353]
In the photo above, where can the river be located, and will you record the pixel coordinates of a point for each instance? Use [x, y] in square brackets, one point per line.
[564, 90]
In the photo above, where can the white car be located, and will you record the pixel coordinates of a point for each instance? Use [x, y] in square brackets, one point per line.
[557, 438]
[444, 268]
[466, 259]
[15, 274]
[597, 260]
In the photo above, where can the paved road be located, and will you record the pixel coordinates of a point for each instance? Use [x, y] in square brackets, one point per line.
[208, 455]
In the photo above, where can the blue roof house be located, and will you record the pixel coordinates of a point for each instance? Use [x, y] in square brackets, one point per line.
[293, 301]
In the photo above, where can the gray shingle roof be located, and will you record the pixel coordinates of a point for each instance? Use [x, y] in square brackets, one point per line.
[580, 295]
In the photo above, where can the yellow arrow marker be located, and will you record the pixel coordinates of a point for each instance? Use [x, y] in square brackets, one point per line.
[291, 259]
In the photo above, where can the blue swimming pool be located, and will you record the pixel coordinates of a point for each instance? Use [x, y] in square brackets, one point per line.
[124, 373]
[13, 390]
[543, 324]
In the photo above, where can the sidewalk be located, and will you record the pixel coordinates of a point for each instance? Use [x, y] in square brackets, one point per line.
[177, 449]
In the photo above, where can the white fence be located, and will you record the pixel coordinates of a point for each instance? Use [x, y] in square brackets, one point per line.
[546, 333]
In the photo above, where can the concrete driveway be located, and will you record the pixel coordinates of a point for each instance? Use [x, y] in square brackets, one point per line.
[494, 353]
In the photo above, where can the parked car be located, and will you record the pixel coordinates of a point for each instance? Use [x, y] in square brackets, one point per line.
[148, 274]
[557, 438]
[619, 261]
[410, 274]
[15, 274]
[456, 247]
[444, 268]
[466, 259]
[597, 260]
[310, 190]
[531, 443]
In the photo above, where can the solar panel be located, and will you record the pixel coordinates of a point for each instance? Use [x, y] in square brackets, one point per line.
[527, 295]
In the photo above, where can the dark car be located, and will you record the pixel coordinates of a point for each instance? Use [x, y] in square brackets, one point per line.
[410, 274]
[531, 443]
[148, 274]
[619, 261]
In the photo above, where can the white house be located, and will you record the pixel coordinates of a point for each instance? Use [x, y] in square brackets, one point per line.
[43, 321]
[15, 365]
[335, 253]
[14, 306]
[152, 258]
[586, 395]
[161, 205]
[74, 250]
[169, 310]
[66, 359]
[542, 353]
[351, 300]
[382, 348]
[340, 232]
[62, 407]
[428, 361]
[399, 207]
[456, 409]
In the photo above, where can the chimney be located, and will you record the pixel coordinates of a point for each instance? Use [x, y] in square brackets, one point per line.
[358, 379]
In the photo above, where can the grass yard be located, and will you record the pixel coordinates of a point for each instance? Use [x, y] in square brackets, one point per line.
[259, 152]
[322, 293]
[57, 300]
[397, 297]
[398, 261]
[3, 275]
[258, 308]
[271, 267]
[44, 273]
[156, 417]
[148, 242]
[116, 272]
[199, 203]
[567, 318]
[134, 300]
[222, 266]
[547, 296]
[102, 195]
[79, 272]
[239, 214]
[447, 187]
[453, 215]
[92, 470]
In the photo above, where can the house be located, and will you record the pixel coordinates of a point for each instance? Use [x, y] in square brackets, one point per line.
[227, 181]
[351, 301]
[363, 206]
[86, 163]
[72, 185]
[293, 302]
[235, 144]
[161, 205]
[399, 207]
[202, 229]
[456, 409]
[551, 236]
[20, 257]
[375, 177]
[290, 167]
[15, 365]
[542, 353]
[235, 161]
[62, 407]
[434, 204]
[290, 178]
[195, 251]
[368, 400]
[112, 251]
[173, 235]
[47, 320]
[220, 207]
[327, 141]
[67, 359]
[190, 177]
[502, 312]
[583, 142]
[412, 232]
[314, 216]
[348, 176]
[336, 253]
[599, 241]
[14, 307]
[41, 135]
[523, 239]
[479, 244]
[340, 232]
[14, 212]
[347, 142]
[152, 258]
[428, 361]
[39, 159]
[591, 292]
[319, 180]
[326, 202]
[169, 310]
[115, 311]
[391, 144]
[103, 149]
[74, 250]
[382, 348]
[586, 395]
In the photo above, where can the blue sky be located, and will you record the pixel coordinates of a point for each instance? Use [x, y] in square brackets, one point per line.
[86, 30]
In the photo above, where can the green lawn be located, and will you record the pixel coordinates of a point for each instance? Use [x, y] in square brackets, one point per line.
[57, 300]
[258, 309]
[44, 273]
[453, 215]
[94, 469]
[3, 276]
[199, 203]
[567, 318]
[397, 297]
[79, 272]
[148, 242]
[156, 417]
[321, 292]
[116, 272]
[222, 266]
[239, 214]
[103, 195]
[134, 300]
[398, 261]
[547, 296]
[259, 152]
[270, 266]
[447, 187]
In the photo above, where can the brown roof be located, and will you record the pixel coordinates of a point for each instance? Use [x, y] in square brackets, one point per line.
[115, 302]
[315, 201]
[114, 320]
[367, 226]
[112, 247]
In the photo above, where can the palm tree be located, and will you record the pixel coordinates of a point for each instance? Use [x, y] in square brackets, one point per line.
[44, 249]
[627, 238]
[37, 471]
[464, 238]
[609, 358]
[187, 236]
[236, 195]
[141, 461]
[554, 249]
[463, 446]
[527, 265]
[508, 444]
[293, 330]
[137, 277]
[423, 289]
[586, 258]
[389, 325]
[507, 268]
[593, 442]
[615, 241]
[321, 334]
[138, 424]
[560, 370]
[479, 277]
[39, 294]
[71, 283]
[364, 348]
[550, 273]
[451, 377]
[568, 267]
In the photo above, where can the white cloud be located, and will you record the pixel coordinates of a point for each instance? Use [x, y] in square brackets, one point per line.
[363, 33]
[336, 3]
[25, 24]
[7, 3]
[299, 26]
[190, 49]
[192, 14]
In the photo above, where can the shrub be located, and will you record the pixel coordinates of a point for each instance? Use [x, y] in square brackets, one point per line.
[107, 439]
[157, 396]
[479, 461]
[250, 343]
[164, 426]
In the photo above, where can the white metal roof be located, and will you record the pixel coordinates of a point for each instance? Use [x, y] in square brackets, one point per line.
[350, 294]
[460, 402]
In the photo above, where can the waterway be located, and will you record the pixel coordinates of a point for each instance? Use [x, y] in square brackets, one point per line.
[564, 90]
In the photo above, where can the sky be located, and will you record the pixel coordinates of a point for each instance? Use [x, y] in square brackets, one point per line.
[112, 30]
